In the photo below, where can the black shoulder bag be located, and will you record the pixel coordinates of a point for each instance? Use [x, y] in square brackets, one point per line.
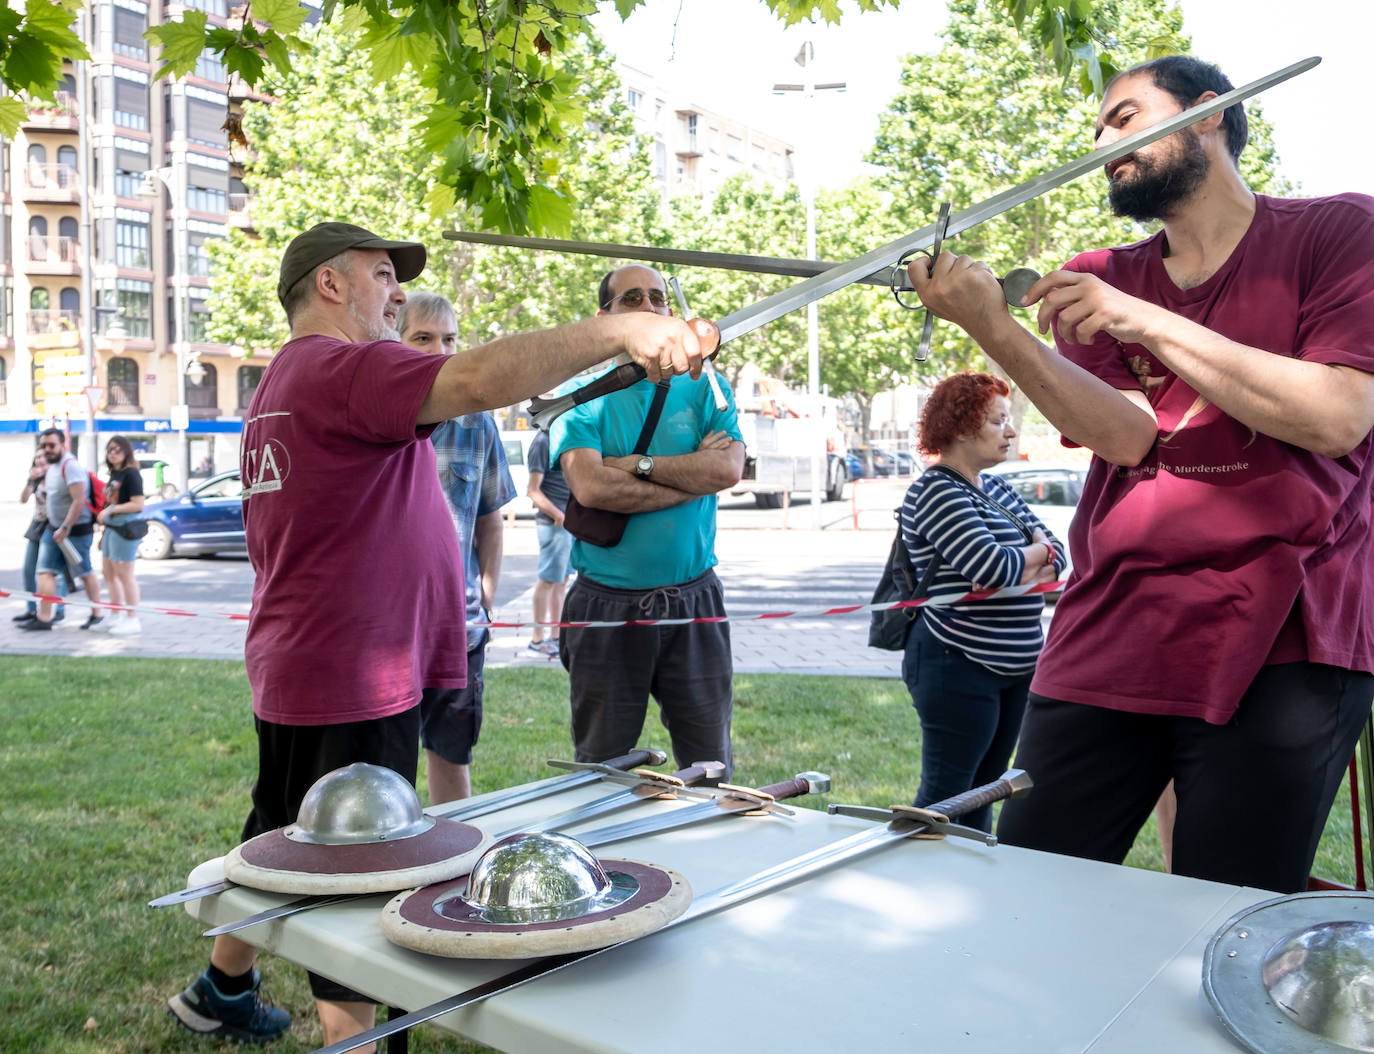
[602, 526]
[888, 629]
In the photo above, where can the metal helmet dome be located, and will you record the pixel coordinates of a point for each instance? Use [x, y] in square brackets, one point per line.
[357, 804]
[1323, 978]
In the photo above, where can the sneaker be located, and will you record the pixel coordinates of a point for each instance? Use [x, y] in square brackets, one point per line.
[125, 627]
[92, 621]
[244, 1018]
[35, 624]
[549, 647]
[536, 646]
[27, 616]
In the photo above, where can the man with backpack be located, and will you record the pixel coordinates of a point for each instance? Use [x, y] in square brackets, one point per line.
[66, 542]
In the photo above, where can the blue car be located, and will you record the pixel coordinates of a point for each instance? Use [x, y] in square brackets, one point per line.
[208, 518]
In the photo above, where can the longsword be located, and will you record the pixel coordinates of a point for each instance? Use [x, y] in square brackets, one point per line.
[903, 825]
[728, 801]
[840, 275]
[587, 772]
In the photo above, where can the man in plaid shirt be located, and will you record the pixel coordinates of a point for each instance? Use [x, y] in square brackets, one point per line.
[476, 483]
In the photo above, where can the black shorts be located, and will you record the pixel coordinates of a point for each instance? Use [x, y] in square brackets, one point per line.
[451, 718]
[292, 757]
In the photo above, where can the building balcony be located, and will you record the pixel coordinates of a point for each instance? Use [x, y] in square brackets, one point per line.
[240, 211]
[54, 256]
[202, 402]
[47, 321]
[59, 115]
[51, 182]
[122, 399]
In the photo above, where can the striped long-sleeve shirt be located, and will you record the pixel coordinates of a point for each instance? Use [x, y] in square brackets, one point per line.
[979, 549]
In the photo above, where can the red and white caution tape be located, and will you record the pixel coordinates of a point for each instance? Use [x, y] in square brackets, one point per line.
[803, 613]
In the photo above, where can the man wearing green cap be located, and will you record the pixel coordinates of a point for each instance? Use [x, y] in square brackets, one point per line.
[358, 600]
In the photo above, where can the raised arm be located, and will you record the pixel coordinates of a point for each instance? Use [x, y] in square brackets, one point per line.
[520, 366]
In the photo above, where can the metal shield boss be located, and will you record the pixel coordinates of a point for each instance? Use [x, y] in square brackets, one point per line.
[1296, 974]
[528, 878]
[358, 804]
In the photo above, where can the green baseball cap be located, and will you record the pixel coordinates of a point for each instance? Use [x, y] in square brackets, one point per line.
[326, 240]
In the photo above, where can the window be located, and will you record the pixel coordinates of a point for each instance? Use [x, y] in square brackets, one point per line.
[121, 384]
[134, 299]
[4, 381]
[734, 147]
[210, 7]
[249, 377]
[207, 199]
[70, 300]
[131, 244]
[131, 104]
[129, 27]
[203, 395]
[209, 66]
[197, 316]
[198, 254]
[205, 122]
[634, 98]
[129, 168]
[67, 244]
[38, 241]
[38, 299]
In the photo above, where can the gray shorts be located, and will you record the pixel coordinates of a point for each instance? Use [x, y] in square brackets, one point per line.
[451, 718]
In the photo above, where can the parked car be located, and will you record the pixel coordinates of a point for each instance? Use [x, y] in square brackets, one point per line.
[884, 464]
[208, 518]
[517, 445]
[853, 465]
[1051, 491]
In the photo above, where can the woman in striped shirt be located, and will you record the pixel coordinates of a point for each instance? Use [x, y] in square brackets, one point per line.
[968, 666]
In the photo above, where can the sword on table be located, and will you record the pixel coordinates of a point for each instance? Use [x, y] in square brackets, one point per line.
[837, 276]
[902, 823]
[727, 801]
[585, 772]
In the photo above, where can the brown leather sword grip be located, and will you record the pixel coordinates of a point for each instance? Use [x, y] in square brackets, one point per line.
[1013, 783]
[793, 788]
[635, 758]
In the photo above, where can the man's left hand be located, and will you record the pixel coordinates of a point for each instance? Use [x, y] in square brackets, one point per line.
[1080, 306]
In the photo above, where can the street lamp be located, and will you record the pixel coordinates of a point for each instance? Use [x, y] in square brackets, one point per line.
[819, 464]
[173, 176]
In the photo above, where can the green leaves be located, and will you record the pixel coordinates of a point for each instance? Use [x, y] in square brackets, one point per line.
[182, 43]
[11, 115]
[32, 47]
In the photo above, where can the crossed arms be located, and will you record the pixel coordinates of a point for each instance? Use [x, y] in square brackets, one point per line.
[607, 482]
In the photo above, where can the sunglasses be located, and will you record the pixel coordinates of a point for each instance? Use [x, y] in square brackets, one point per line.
[635, 297]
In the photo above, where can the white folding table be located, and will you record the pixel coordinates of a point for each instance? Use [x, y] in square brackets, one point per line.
[925, 945]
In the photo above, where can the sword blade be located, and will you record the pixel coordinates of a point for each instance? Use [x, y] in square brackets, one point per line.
[770, 308]
[1012, 783]
[875, 267]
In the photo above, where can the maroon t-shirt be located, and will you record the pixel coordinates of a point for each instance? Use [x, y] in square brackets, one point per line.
[358, 601]
[1224, 550]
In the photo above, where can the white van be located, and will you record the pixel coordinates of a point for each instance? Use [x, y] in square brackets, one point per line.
[517, 444]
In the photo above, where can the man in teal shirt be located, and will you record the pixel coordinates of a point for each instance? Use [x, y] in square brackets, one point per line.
[662, 566]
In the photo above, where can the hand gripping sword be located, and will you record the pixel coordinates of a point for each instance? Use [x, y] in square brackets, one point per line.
[1013, 784]
[830, 278]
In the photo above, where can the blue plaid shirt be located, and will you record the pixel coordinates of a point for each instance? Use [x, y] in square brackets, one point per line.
[476, 481]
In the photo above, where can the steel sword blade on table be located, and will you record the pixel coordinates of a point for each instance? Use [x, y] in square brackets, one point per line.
[840, 275]
[1013, 784]
[727, 800]
[587, 772]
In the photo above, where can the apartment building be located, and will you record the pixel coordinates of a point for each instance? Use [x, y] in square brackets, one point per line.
[695, 148]
[110, 197]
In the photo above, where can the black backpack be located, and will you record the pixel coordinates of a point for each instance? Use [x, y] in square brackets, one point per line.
[888, 629]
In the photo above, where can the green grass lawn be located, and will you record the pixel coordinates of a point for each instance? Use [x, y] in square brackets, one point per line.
[122, 774]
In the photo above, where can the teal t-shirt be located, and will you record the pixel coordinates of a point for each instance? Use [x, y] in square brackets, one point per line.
[671, 545]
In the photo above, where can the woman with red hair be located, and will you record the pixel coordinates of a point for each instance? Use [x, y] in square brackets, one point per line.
[968, 666]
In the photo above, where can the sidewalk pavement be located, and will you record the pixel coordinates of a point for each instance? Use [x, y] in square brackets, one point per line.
[763, 570]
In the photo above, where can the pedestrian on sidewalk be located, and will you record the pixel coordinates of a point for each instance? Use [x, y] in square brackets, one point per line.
[33, 487]
[66, 541]
[549, 492]
[123, 504]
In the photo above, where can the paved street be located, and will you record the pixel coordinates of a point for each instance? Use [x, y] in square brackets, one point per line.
[765, 566]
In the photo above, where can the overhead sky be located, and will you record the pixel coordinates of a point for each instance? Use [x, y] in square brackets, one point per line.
[727, 54]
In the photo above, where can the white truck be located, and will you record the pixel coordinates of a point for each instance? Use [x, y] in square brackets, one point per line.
[783, 434]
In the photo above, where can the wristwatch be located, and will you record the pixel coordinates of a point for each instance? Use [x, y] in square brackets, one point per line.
[644, 466]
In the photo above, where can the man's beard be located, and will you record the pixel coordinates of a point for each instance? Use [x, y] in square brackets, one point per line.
[374, 328]
[1158, 184]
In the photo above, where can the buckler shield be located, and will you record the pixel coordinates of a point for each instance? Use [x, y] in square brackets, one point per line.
[360, 829]
[537, 894]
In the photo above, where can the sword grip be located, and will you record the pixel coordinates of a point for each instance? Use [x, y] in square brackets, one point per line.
[1013, 784]
[802, 784]
[622, 376]
[635, 758]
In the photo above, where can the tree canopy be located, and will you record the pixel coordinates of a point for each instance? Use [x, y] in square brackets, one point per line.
[496, 77]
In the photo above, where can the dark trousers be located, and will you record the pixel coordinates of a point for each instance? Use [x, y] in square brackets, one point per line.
[688, 669]
[1253, 794]
[970, 717]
